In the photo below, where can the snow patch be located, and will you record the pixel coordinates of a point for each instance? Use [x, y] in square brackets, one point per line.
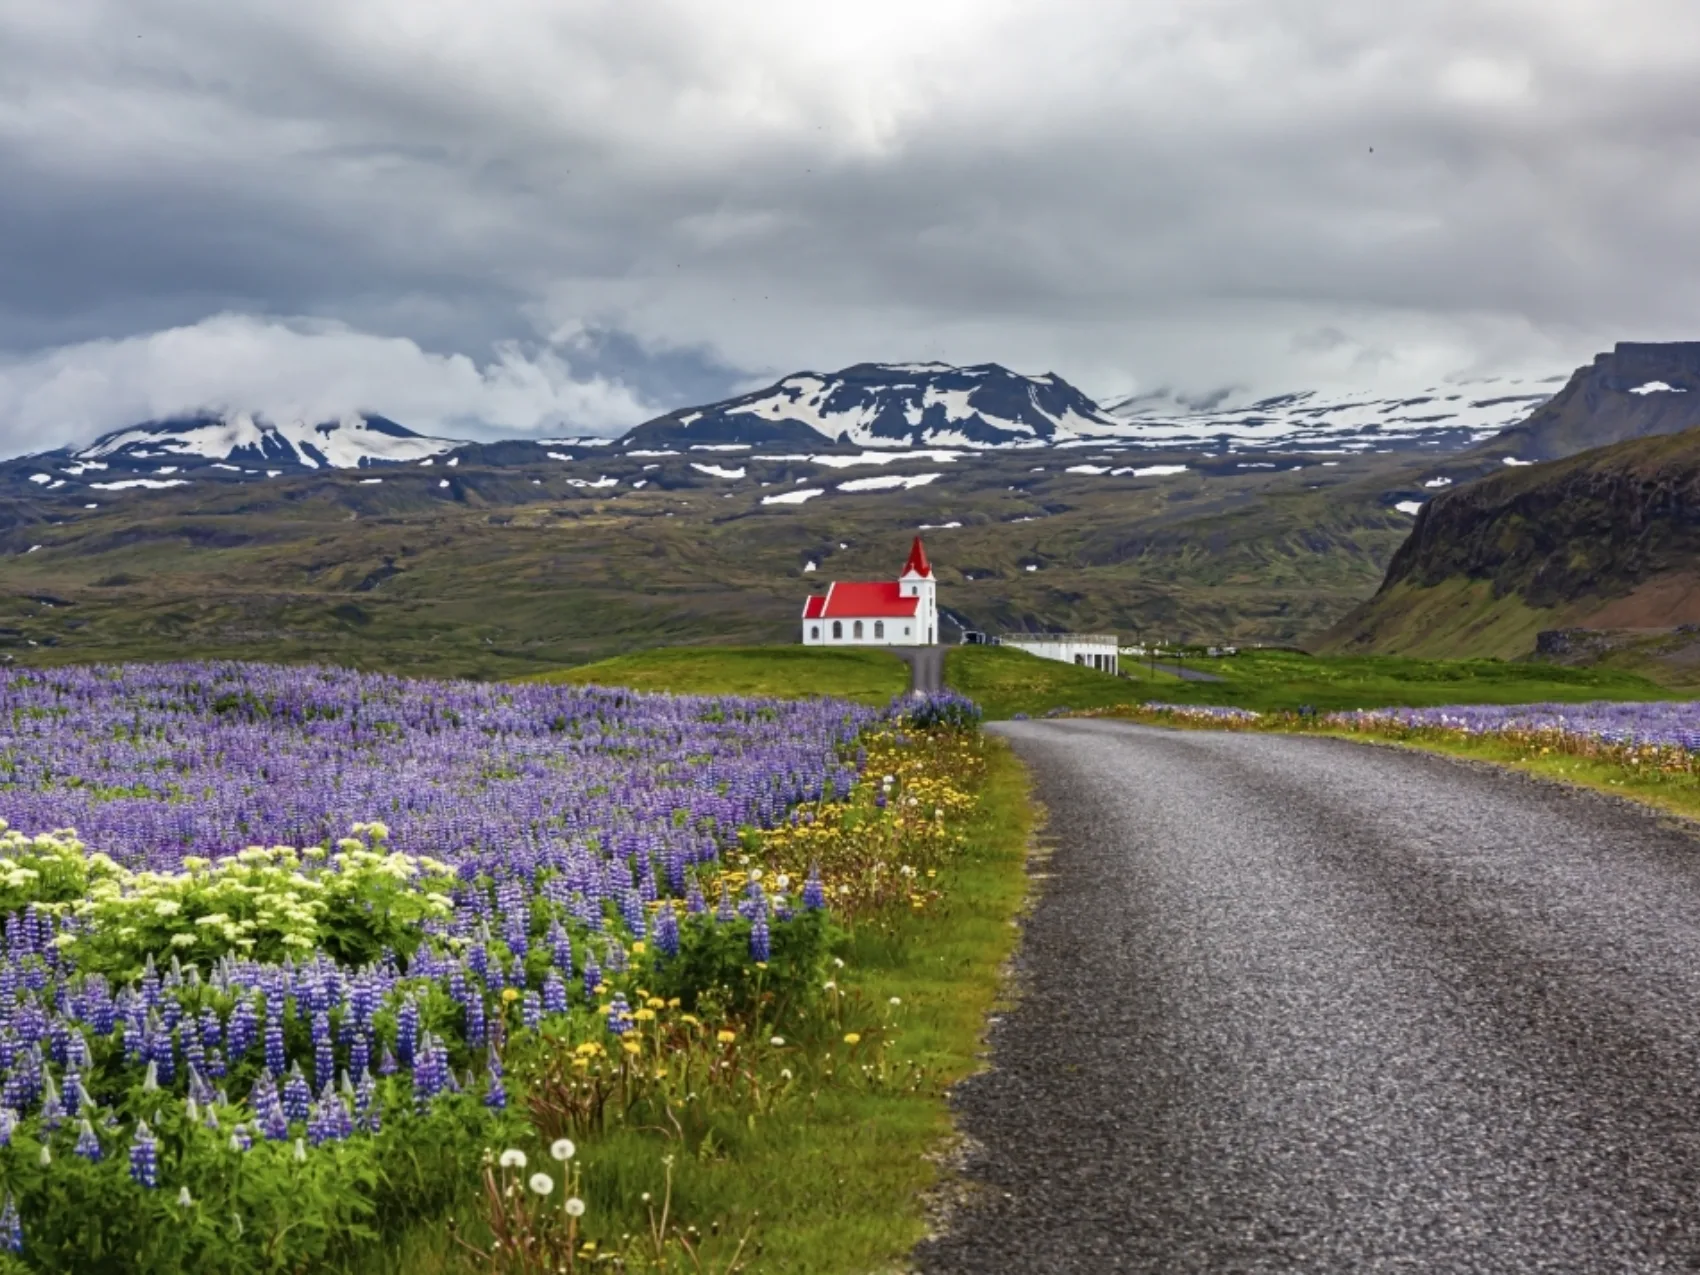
[1412, 507]
[1657, 387]
[716, 471]
[794, 497]
[888, 482]
[152, 484]
[1512, 460]
[41, 478]
[1438, 482]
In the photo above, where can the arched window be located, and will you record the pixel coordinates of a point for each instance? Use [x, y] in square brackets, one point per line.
[905, 630]
[814, 632]
[879, 628]
[838, 628]
[858, 629]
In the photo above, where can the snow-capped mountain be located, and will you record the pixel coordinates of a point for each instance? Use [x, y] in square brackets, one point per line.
[1448, 417]
[892, 405]
[987, 406]
[242, 440]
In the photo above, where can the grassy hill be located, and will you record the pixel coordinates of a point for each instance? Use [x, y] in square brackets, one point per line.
[1605, 540]
[510, 571]
[872, 677]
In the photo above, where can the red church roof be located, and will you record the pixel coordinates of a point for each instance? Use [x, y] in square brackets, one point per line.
[858, 601]
[917, 564]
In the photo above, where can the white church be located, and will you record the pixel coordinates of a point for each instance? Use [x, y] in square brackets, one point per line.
[901, 612]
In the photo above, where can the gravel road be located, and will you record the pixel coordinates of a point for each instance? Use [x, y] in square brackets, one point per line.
[926, 667]
[1297, 1004]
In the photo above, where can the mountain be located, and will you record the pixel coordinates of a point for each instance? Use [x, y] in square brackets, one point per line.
[989, 406]
[891, 405]
[237, 443]
[1608, 539]
[1447, 417]
[1638, 390]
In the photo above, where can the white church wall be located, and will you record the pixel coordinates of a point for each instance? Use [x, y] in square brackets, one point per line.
[881, 631]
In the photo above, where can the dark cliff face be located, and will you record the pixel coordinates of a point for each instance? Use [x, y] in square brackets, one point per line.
[1638, 390]
[1592, 526]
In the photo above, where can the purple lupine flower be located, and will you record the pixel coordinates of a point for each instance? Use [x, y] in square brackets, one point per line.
[474, 1018]
[244, 1023]
[144, 1157]
[761, 945]
[619, 1015]
[276, 1062]
[297, 1097]
[531, 1011]
[814, 892]
[592, 977]
[407, 1031]
[324, 1057]
[11, 1227]
[387, 1065]
[242, 1140]
[88, 1146]
[554, 994]
[725, 912]
[666, 931]
[695, 904]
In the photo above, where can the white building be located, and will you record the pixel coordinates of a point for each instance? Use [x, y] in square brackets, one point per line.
[902, 612]
[1092, 650]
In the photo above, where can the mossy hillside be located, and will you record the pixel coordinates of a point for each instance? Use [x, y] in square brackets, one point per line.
[511, 572]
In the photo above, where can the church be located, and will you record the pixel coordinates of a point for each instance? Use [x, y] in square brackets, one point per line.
[900, 612]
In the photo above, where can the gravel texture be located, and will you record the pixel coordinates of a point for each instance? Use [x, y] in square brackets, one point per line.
[1298, 1004]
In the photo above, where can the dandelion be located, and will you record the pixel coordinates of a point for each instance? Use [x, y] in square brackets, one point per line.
[562, 1149]
[852, 1038]
[574, 1207]
[541, 1183]
[513, 1158]
[726, 1037]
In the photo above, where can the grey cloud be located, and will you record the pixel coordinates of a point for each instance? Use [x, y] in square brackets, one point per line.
[693, 196]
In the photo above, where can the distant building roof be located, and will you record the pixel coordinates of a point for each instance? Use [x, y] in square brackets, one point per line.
[861, 601]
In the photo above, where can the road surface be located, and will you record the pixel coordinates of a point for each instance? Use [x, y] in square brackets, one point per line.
[926, 667]
[1298, 1004]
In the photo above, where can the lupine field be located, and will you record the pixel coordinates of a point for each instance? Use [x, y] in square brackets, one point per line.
[286, 948]
[1657, 724]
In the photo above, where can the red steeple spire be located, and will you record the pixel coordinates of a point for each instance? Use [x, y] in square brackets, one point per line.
[917, 564]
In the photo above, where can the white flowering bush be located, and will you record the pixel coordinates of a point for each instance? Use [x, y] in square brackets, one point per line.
[51, 870]
[263, 903]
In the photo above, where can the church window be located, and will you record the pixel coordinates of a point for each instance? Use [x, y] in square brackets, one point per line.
[879, 628]
[858, 629]
[814, 632]
[838, 628]
[905, 630]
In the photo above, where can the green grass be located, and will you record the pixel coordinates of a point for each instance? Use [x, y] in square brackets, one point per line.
[844, 1188]
[1005, 681]
[1275, 680]
[871, 677]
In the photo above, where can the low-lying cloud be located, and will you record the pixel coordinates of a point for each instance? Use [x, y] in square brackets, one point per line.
[303, 371]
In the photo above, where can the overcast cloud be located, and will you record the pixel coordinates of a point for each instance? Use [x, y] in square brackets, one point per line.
[507, 216]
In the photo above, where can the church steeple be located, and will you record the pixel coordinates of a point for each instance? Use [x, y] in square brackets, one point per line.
[917, 565]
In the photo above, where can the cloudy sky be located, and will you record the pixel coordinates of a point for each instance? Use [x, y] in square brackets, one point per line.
[509, 216]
